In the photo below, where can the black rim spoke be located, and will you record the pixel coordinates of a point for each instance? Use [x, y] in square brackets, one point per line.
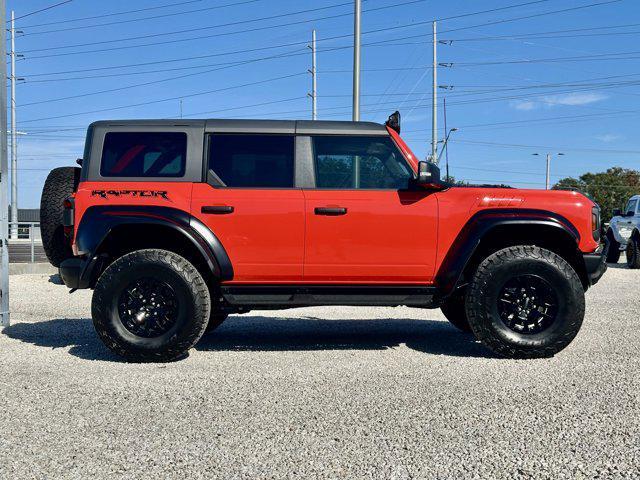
[527, 304]
[148, 307]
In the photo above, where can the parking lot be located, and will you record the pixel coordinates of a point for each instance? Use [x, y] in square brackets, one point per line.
[319, 392]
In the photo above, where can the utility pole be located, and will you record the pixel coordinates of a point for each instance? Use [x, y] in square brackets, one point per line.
[356, 60]
[548, 175]
[434, 99]
[14, 136]
[446, 145]
[314, 84]
[4, 169]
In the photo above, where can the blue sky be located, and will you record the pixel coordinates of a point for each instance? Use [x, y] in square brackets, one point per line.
[565, 80]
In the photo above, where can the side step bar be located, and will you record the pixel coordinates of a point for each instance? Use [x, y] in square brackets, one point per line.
[287, 296]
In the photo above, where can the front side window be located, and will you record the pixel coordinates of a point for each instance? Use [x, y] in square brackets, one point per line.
[348, 162]
[631, 206]
[144, 154]
[252, 161]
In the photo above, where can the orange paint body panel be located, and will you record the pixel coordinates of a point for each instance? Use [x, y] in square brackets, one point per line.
[264, 236]
[385, 237]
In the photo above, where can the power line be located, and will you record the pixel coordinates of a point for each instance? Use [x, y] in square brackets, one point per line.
[260, 82]
[43, 9]
[518, 145]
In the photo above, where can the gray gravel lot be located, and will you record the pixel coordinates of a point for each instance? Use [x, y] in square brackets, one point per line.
[319, 393]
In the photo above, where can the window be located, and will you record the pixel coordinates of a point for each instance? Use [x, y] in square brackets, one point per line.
[144, 154]
[359, 162]
[631, 206]
[252, 160]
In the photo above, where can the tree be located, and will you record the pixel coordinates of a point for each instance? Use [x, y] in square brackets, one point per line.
[610, 189]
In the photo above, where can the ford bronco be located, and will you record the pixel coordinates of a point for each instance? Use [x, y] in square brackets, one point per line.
[623, 234]
[176, 224]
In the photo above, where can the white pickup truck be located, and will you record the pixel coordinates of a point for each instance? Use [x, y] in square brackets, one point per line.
[624, 234]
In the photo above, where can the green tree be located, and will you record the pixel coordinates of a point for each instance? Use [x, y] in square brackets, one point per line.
[610, 189]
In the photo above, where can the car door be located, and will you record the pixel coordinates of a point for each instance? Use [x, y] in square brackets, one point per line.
[363, 224]
[251, 204]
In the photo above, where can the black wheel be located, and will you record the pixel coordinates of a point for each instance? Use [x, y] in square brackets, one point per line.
[215, 320]
[150, 306]
[455, 311]
[59, 185]
[612, 248]
[525, 302]
[633, 252]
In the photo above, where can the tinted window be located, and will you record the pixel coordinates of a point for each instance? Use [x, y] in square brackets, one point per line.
[631, 206]
[144, 154]
[359, 162]
[252, 160]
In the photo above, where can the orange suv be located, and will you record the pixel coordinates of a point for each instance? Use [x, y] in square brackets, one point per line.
[176, 224]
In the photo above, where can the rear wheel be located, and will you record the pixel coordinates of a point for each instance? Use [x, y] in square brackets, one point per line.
[613, 248]
[59, 185]
[454, 310]
[633, 252]
[525, 302]
[150, 306]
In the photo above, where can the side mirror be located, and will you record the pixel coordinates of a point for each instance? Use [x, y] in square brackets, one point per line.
[617, 212]
[429, 176]
[630, 213]
[393, 121]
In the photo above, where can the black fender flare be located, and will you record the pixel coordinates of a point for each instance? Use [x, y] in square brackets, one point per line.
[99, 221]
[482, 223]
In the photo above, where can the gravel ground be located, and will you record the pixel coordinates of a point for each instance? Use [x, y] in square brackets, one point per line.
[319, 393]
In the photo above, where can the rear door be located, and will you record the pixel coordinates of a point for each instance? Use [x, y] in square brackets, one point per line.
[252, 205]
[363, 224]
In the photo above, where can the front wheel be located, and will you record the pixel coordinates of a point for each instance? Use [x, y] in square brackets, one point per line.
[612, 248]
[633, 252]
[150, 306]
[525, 302]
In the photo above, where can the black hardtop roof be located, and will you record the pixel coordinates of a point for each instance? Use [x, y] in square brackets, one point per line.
[304, 127]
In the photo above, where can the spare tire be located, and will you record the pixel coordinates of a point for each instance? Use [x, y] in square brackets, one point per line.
[59, 185]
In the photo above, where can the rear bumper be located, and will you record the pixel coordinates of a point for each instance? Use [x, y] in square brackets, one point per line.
[595, 265]
[77, 272]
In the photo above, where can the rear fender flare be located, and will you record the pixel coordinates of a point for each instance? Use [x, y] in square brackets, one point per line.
[99, 221]
[479, 226]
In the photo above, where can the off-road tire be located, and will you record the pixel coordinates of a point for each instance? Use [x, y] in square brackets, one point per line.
[454, 310]
[482, 300]
[59, 185]
[192, 293]
[215, 320]
[613, 248]
[633, 252]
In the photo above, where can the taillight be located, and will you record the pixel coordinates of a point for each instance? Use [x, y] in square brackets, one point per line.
[67, 216]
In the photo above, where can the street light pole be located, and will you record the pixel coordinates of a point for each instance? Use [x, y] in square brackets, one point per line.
[434, 97]
[14, 143]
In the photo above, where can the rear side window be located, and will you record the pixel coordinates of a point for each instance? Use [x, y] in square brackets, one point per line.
[348, 162]
[144, 154]
[258, 161]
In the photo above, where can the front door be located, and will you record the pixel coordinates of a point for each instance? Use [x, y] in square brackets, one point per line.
[363, 225]
[249, 202]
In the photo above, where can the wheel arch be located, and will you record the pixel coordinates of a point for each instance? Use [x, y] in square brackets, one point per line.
[491, 230]
[108, 232]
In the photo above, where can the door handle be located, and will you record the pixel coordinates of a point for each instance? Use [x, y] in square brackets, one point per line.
[217, 209]
[330, 211]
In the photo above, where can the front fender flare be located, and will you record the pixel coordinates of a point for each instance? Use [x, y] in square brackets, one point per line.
[482, 223]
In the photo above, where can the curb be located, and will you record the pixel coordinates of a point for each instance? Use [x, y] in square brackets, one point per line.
[31, 268]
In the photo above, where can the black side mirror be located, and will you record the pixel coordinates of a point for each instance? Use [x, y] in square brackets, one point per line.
[630, 213]
[393, 122]
[429, 176]
[617, 212]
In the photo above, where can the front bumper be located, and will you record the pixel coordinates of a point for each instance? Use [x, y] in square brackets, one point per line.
[78, 272]
[595, 265]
